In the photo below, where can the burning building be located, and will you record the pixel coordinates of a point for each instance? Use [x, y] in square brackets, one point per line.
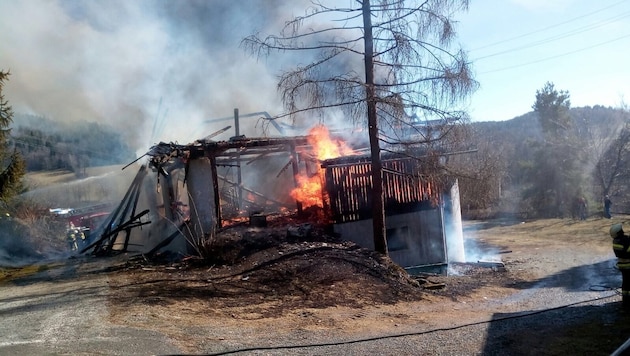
[202, 185]
[423, 223]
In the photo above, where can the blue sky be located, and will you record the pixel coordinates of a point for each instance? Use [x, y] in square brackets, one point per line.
[516, 46]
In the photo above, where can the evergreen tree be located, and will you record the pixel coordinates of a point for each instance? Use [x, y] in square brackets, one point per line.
[12, 167]
[554, 180]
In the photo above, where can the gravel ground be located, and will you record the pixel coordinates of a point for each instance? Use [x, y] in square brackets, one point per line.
[555, 297]
[546, 331]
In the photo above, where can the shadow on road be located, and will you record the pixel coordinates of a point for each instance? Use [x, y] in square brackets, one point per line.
[577, 330]
[596, 277]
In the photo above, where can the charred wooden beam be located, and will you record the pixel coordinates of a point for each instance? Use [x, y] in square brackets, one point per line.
[222, 164]
[251, 152]
[165, 152]
[252, 192]
[296, 171]
[134, 161]
[134, 205]
[211, 147]
[166, 241]
[106, 235]
[264, 154]
[239, 174]
[215, 187]
[117, 215]
[284, 169]
[129, 208]
[216, 133]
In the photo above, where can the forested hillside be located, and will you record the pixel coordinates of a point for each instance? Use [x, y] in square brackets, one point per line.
[49, 145]
[504, 167]
[519, 168]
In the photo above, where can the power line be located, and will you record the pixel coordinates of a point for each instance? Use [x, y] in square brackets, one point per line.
[560, 36]
[558, 56]
[544, 29]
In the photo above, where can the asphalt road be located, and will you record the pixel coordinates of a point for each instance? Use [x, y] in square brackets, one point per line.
[573, 309]
[63, 310]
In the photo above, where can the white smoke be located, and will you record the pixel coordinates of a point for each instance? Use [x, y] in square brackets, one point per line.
[476, 249]
[116, 61]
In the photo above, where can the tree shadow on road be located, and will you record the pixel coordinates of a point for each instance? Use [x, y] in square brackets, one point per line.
[596, 277]
[575, 330]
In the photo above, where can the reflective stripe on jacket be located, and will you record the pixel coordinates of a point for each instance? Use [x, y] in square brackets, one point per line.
[621, 247]
[623, 263]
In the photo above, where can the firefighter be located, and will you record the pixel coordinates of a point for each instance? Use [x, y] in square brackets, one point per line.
[80, 238]
[621, 247]
[71, 238]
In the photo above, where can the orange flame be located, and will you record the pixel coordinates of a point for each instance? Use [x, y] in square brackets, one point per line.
[309, 189]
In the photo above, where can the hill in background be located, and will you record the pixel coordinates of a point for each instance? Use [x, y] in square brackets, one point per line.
[48, 145]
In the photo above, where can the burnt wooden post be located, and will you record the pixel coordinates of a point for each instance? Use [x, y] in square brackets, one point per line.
[168, 198]
[238, 161]
[215, 189]
[296, 171]
[202, 197]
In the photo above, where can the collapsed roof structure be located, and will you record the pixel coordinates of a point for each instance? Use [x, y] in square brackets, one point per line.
[199, 187]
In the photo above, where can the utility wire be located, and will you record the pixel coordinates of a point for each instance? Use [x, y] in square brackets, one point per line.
[560, 36]
[548, 27]
[557, 56]
[557, 37]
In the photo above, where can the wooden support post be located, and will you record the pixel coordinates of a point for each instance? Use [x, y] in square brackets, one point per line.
[296, 171]
[215, 188]
[202, 200]
[168, 194]
[238, 161]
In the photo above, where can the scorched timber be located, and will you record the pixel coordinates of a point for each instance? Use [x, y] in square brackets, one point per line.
[164, 152]
[215, 148]
[251, 152]
[252, 191]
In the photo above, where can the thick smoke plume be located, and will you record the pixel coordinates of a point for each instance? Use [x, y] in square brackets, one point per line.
[131, 63]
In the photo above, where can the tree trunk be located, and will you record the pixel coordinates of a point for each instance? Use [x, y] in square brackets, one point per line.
[378, 206]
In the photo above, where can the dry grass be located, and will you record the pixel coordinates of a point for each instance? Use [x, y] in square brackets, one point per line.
[50, 178]
[550, 228]
[8, 274]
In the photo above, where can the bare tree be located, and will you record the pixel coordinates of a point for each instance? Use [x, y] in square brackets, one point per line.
[408, 72]
[480, 164]
[610, 153]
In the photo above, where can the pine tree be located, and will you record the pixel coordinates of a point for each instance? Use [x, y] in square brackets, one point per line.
[554, 175]
[12, 166]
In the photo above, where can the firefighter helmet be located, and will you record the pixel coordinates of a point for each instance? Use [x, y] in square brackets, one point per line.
[616, 230]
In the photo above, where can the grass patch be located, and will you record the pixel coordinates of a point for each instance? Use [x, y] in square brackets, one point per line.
[8, 274]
